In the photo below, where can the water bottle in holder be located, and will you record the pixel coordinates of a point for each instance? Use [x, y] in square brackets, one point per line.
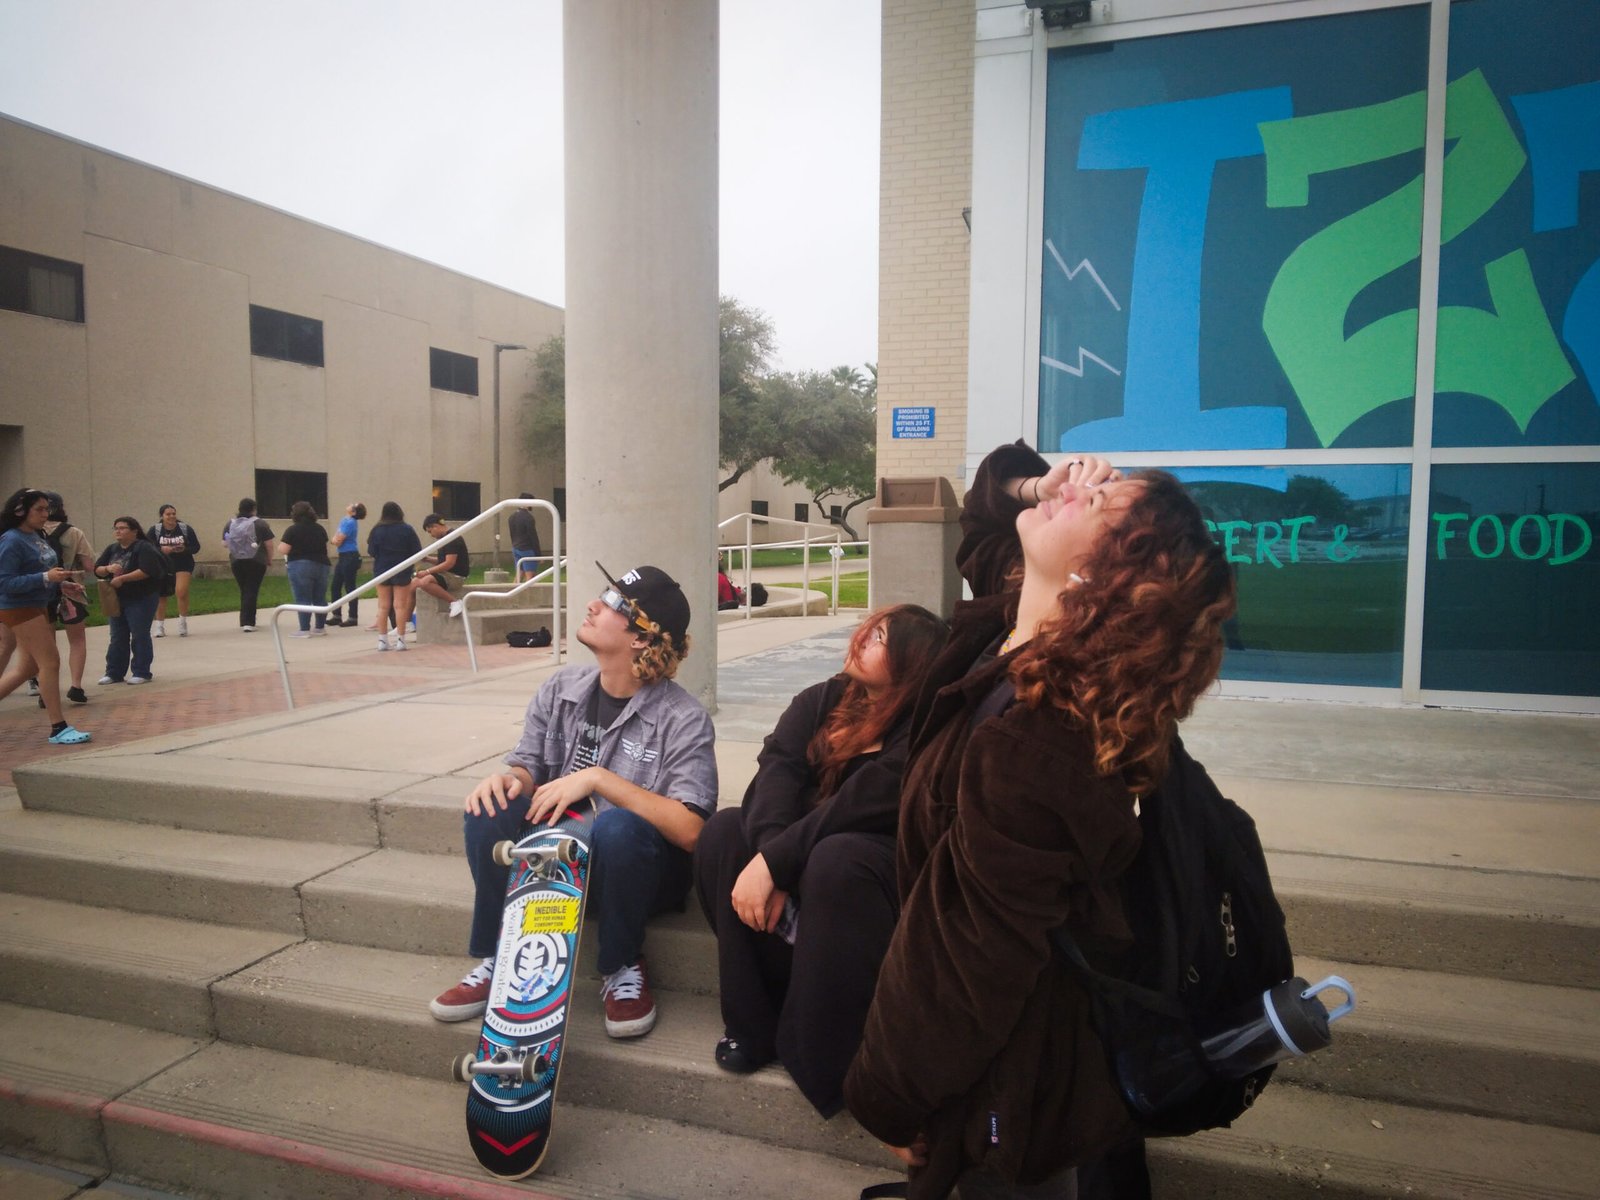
[1285, 1021]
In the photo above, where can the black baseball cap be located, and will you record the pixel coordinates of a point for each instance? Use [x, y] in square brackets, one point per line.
[662, 606]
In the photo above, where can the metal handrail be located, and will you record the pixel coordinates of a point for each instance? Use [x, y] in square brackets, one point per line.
[553, 571]
[324, 609]
[836, 552]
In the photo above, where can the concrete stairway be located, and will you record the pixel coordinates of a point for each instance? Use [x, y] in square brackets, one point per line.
[216, 984]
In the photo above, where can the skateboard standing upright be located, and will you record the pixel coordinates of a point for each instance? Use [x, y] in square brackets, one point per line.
[512, 1077]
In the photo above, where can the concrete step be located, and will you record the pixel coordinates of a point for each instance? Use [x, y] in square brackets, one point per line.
[369, 1008]
[1531, 928]
[1296, 1143]
[57, 1071]
[239, 1121]
[227, 1120]
[224, 878]
[1520, 1051]
[422, 904]
[252, 799]
[127, 967]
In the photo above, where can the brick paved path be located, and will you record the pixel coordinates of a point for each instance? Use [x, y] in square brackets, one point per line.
[120, 714]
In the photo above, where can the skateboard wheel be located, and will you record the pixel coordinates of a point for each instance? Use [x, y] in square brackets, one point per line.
[461, 1067]
[502, 853]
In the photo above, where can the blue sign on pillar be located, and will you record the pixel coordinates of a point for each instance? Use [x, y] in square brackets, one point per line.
[912, 423]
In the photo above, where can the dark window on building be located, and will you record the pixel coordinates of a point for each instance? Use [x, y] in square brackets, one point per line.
[801, 512]
[455, 500]
[282, 335]
[45, 287]
[451, 372]
[558, 497]
[276, 491]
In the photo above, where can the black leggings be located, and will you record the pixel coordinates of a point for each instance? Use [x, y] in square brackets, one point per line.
[806, 1004]
[248, 573]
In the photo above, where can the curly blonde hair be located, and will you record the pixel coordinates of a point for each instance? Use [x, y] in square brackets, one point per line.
[660, 658]
[1132, 648]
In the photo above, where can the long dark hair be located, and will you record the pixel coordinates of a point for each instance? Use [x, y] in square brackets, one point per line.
[1132, 648]
[913, 638]
[18, 504]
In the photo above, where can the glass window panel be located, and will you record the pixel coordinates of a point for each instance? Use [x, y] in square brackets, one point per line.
[1513, 586]
[1319, 559]
[1519, 270]
[1231, 229]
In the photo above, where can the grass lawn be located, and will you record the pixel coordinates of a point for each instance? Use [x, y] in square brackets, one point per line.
[792, 556]
[852, 589]
[222, 595]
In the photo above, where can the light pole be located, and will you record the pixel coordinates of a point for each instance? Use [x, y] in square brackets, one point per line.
[497, 497]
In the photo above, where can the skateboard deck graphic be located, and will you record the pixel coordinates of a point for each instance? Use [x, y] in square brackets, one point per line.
[512, 1076]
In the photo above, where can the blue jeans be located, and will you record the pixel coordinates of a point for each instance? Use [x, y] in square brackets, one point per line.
[344, 578]
[130, 629]
[308, 583]
[636, 874]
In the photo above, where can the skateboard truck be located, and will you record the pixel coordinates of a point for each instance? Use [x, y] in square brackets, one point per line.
[521, 1069]
[507, 853]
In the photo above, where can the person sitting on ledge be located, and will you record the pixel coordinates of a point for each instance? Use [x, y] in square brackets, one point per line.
[623, 735]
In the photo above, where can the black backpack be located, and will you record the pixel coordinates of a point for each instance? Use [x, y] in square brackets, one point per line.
[1209, 935]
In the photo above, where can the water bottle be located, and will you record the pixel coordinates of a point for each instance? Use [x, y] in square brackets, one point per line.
[1285, 1021]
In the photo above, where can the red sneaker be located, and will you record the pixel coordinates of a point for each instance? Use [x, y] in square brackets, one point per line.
[467, 999]
[630, 1008]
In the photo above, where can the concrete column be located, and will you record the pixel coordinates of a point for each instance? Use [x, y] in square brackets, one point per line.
[641, 328]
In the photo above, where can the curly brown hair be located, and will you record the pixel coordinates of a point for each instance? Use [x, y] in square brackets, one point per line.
[1134, 646]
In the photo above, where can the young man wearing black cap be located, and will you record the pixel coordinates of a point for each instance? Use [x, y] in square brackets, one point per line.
[624, 735]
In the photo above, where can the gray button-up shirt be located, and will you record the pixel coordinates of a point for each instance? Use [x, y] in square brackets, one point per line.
[663, 741]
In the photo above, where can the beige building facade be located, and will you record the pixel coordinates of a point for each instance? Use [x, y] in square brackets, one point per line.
[162, 341]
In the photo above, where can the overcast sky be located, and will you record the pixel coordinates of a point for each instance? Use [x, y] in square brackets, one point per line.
[435, 128]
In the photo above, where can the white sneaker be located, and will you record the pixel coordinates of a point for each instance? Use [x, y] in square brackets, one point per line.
[160, 630]
[183, 626]
[383, 642]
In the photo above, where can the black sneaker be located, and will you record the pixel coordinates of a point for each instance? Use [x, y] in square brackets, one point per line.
[76, 695]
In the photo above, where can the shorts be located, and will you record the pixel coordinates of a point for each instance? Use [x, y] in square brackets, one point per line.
[20, 616]
[79, 610]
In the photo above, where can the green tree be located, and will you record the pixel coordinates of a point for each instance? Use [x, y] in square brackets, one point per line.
[831, 448]
[751, 417]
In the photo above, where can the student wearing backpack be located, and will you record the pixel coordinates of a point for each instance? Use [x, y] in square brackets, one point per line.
[979, 1063]
[133, 568]
[249, 542]
[178, 542]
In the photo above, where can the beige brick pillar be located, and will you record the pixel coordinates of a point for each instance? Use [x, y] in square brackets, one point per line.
[641, 303]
